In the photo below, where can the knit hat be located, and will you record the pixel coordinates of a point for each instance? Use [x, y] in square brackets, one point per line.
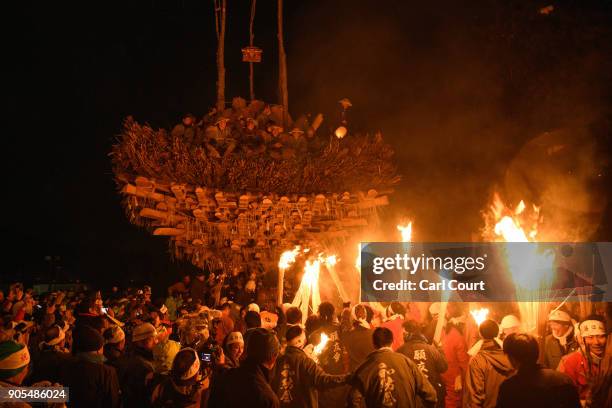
[488, 329]
[143, 332]
[114, 335]
[234, 337]
[14, 358]
[87, 339]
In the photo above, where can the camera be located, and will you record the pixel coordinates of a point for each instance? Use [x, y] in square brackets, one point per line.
[209, 354]
[206, 357]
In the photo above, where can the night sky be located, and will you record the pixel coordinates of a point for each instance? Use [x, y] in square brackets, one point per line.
[456, 87]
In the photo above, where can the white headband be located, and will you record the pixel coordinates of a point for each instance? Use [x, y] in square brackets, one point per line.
[195, 367]
[592, 328]
[54, 342]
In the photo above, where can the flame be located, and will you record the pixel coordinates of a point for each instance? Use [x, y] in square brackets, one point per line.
[519, 225]
[531, 268]
[480, 315]
[406, 231]
[358, 258]
[330, 261]
[287, 258]
[318, 349]
[311, 272]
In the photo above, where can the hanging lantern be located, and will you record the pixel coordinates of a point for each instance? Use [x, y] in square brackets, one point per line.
[251, 54]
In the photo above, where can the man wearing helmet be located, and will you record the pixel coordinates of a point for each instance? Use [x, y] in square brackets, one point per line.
[560, 341]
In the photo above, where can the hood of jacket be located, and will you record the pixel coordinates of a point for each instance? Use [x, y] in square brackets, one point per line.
[493, 354]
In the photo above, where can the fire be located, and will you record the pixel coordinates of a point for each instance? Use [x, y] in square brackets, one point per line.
[358, 259]
[330, 261]
[287, 258]
[311, 272]
[531, 269]
[510, 225]
[519, 225]
[406, 231]
[318, 349]
[480, 315]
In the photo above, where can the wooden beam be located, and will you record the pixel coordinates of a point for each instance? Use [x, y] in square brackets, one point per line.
[139, 192]
[170, 232]
[160, 215]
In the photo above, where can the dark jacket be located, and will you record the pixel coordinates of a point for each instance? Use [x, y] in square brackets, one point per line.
[47, 366]
[197, 289]
[485, 373]
[538, 387]
[113, 355]
[135, 373]
[331, 358]
[358, 345]
[553, 350]
[296, 378]
[166, 393]
[92, 384]
[244, 387]
[428, 358]
[390, 379]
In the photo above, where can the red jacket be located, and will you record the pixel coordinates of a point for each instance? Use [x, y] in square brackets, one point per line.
[576, 366]
[455, 351]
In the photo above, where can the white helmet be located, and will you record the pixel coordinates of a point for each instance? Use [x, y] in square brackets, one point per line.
[509, 321]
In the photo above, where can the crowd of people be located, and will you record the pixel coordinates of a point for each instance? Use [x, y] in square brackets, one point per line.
[193, 348]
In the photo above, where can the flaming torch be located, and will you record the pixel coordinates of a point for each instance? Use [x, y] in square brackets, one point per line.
[287, 259]
[309, 288]
[509, 226]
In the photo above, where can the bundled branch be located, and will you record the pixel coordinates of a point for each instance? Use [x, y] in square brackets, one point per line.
[327, 165]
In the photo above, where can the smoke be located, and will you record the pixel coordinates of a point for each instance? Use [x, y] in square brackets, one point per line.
[463, 92]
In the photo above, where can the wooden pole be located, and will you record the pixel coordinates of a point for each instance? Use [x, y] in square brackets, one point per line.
[220, 18]
[281, 285]
[251, 40]
[282, 67]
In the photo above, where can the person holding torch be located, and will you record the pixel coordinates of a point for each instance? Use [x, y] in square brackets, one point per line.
[583, 366]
